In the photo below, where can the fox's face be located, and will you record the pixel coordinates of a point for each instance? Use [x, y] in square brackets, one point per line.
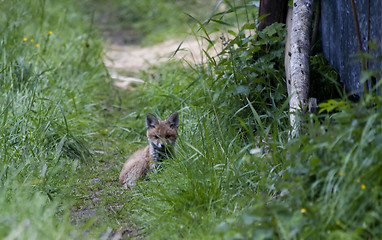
[162, 134]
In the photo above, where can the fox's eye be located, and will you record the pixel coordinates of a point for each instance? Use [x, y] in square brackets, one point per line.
[156, 136]
[168, 136]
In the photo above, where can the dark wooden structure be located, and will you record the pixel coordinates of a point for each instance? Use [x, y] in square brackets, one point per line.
[276, 11]
[339, 39]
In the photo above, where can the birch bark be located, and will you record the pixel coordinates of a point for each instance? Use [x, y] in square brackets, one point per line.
[288, 53]
[299, 61]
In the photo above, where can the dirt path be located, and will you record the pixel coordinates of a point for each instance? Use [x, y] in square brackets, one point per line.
[124, 61]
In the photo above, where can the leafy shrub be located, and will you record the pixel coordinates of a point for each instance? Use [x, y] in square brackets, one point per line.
[250, 69]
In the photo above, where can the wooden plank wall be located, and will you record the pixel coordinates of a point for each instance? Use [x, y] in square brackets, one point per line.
[339, 39]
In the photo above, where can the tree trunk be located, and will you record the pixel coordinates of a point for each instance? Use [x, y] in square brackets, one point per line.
[299, 62]
[288, 53]
[275, 8]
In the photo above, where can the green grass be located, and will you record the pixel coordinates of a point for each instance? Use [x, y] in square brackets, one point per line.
[324, 184]
[51, 78]
[65, 132]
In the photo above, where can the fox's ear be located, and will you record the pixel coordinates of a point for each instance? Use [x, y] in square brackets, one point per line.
[173, 120]
[151, 121]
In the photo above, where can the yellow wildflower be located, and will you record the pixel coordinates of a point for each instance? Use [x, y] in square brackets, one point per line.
[50, 32]
[106, 131]
[25, 39]
[363, 186]
[303, 210]
[31, 40]
[37, 45]
[340, 173]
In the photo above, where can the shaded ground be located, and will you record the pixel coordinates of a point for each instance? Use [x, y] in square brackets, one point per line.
[101, 200]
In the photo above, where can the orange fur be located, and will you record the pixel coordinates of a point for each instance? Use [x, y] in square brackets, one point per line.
[162, 136]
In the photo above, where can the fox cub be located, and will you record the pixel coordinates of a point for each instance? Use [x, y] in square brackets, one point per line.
[162, 136]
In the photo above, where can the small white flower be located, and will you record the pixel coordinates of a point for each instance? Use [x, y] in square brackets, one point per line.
[255, 151]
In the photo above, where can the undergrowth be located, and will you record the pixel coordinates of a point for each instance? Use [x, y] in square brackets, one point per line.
[238, 174]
